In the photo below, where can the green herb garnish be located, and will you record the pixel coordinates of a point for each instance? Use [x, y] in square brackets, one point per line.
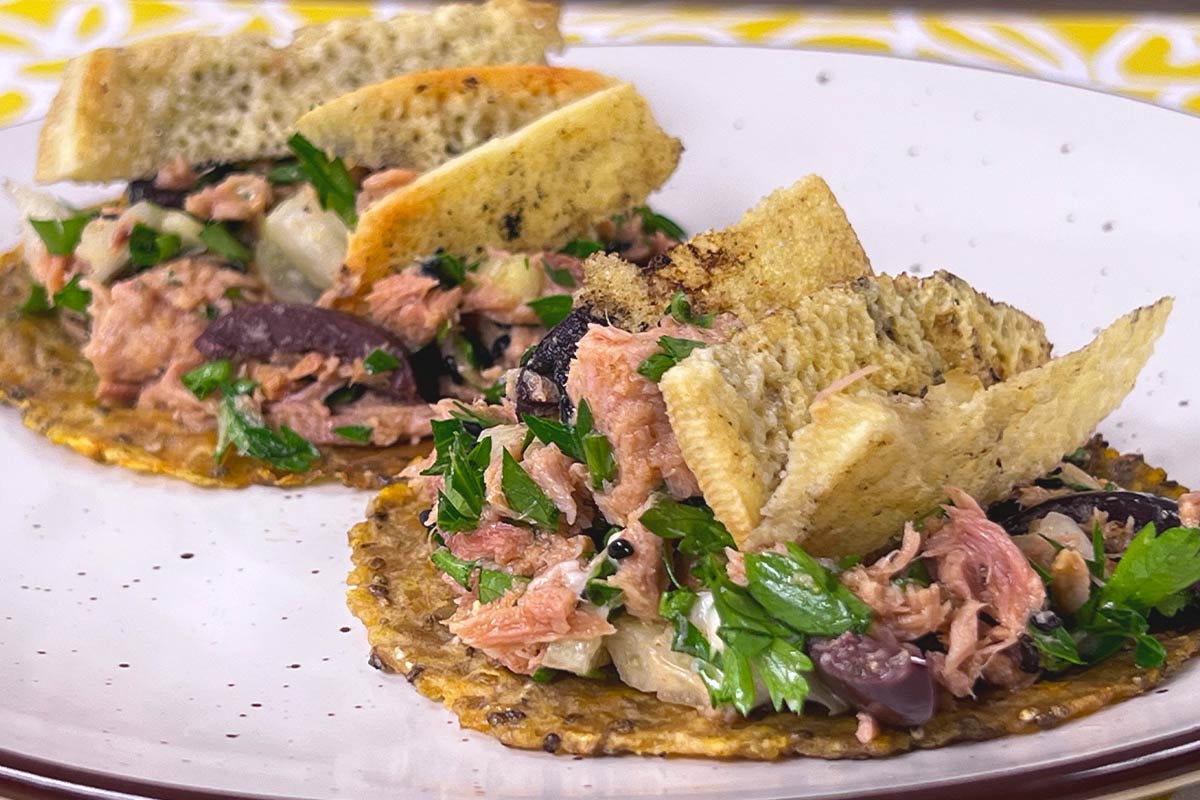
[681, 309]
[285, 172]
[450, 270]
[355, 433]
[655, 223]
[524, 496]
[240, 426]
[492, 583]
[204, 379]
[335, 188]
[561, 276]
[345, 394]
[61, 236]
[38, 301]
[461, 462]
[217, 238]
[674, 350]
[553, 309]
[380, 361]
[73, 296]
[148, 247]
[579, 441]
[581, 249]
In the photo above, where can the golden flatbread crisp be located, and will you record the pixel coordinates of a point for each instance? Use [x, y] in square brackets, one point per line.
[735, 407]
[865, 464]
[400, 598]
[531, 190]
[795, 241]
[44, 375]
[423, 119]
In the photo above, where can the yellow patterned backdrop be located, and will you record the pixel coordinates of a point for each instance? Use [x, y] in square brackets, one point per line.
[1151, 57]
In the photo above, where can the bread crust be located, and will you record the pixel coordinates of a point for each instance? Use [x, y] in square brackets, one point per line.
[122, 113]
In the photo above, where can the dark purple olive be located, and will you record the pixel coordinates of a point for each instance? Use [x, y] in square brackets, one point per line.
[1028, 658]
[883, 679]
[146, 190]
[1119, 505]
[551, 360]
[260, 331]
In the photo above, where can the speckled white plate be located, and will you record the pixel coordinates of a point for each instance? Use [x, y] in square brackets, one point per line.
[154, 635]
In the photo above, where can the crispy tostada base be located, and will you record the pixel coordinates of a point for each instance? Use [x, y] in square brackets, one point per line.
[400, 597]
[44, 375]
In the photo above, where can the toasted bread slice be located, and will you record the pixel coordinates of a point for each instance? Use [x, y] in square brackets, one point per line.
[122, 113]
[866, 464]
[423, 119]
[533, 189]
[795, 241]
[736, 407]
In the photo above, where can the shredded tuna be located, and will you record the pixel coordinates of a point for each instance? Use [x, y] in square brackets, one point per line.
[641, 576]
[844, 383]
[53, 272]
[141, 325]
[498, 542]
[908, 611]
[546, 611]
[868, 728]
[379, 185]
[241, 196]
[1189, 510]
[503, 437]
[425, 486]
[389, 422]
[169, 394]
[176, 175]
[630, 411]
[983, 571]
[735, 567]
[413, 306]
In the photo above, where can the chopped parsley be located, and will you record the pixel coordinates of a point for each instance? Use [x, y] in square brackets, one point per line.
[61, 236]
[560, 275]
[673, 350]
[335, 188]
[345, 394]
[239, 425]
[287, 171]
[461, 461]
[553, 309]
[72, 297]
[148, 247]
[206, 378]
[380, 361]
[681, 309]
[355, 433]
[579, 441]
[493, 394]
[581, 249]
[450, 270]
[492, 583]
[1154, 575]
[656, 223]
[524, 496]
[219, 240]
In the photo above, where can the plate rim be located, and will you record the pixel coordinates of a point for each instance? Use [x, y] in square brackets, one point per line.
[1164, 763]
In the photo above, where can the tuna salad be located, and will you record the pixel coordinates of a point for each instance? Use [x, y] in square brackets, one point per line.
[577, 540]
[211, 292]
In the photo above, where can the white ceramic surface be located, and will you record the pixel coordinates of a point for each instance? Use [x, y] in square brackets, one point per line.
[163, 632]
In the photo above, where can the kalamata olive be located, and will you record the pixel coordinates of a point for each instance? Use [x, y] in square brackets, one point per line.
[883, 679]
[1119, 505]
[262, 330]
[1046, 620]
[551, 359]
[1028, 658]
[145, 189]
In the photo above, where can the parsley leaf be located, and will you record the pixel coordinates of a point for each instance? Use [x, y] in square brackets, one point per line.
[494, 584]
[581, 249]
[38, 301]
[655, 223]
[355, 433]
[553, 309]
[240, 426]
[460, 502]
[524, 496]
[73, 296]
[694, 528]
[493, 394]
[335, 188]
[449, 270]
[562, 276]
[674, 350]
[782, 666]
[204, 379]
[581, 442]
[802, 594]
[681, 309]
[380, 361]
[1056, 648]
[219, 240]
[455, 567]
[1153, 568]
[148, 247]
[464, 414]
[556, 433]
[61, 236]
